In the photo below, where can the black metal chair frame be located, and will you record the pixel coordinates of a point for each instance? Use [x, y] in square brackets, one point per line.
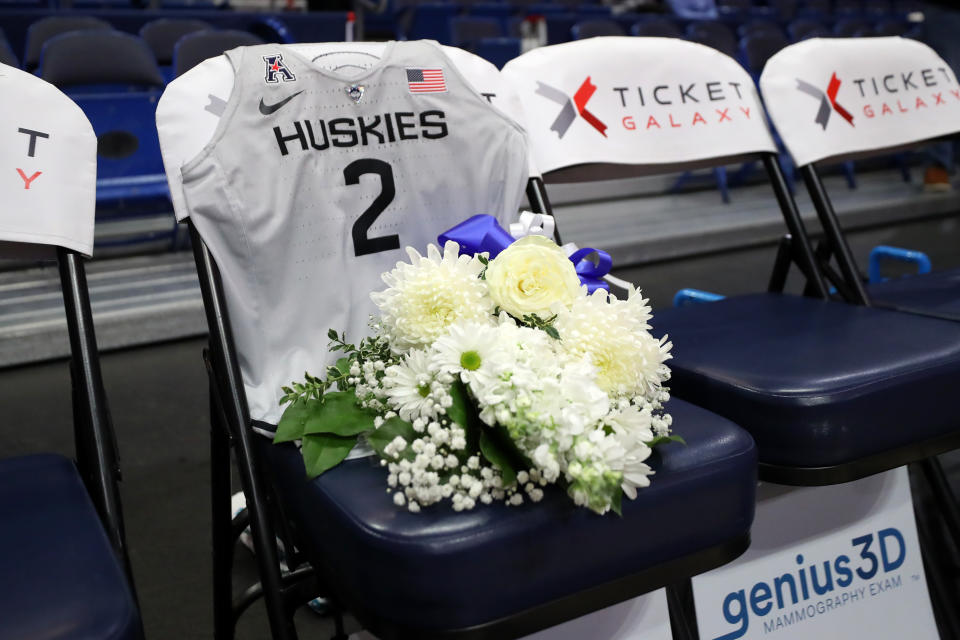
[284, 592]
[97, 456]
[849, 283]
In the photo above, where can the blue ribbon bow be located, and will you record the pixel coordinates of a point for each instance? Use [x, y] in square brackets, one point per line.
[482, 233]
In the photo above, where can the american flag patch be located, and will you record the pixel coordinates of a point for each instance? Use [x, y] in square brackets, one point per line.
[426, 80]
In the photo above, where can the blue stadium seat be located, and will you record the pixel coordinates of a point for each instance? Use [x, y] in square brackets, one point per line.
[61, 578]
[194, 48]
[803, 28]
[7, 56]
[597, 27]
[891, 27]
[848, 7]
[656, 28]
[785, 8]
[753, 27]
[42, 30]
[756, 49]
[113, 77]
[559, 26]
[849, 28]
[431, 20]
[713, 34]
[467, 31]
[161, 35]
[98, 58]
[498, 51]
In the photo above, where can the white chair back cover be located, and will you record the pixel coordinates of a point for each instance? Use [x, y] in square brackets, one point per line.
[614, 106]
[839, 98]
[48, 184]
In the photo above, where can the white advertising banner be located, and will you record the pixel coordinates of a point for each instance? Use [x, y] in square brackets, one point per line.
[643, 618]
[839, 562]
[636, 101]
[48, 168]
[839, 97]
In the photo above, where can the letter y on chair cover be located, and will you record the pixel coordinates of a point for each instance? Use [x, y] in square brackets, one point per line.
[864, 96]
[821, 386]
[495, 571]
[61, 536]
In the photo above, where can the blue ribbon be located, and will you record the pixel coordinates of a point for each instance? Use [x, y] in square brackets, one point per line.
[482, 233]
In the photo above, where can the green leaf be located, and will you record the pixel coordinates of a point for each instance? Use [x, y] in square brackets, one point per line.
[390, 429]
[324, 451]
[458, 411]
[616, 501]
[332, 334]
[497, 457]
[339, 415]
[665, 439]
[343, 366]
[294, 418]
[551, 331]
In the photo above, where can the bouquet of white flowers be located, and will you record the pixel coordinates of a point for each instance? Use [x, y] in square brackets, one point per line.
[490, 379]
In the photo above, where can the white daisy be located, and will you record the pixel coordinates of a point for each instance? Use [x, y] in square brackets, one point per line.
[408, 387]
[473, 351]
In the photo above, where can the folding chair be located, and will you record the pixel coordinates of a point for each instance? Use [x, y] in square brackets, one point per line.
[63, 555]
[887, 121]
[489, 573]
[853, 125]
[818, 384]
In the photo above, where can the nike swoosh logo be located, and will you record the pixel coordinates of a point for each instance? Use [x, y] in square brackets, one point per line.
[267, 109]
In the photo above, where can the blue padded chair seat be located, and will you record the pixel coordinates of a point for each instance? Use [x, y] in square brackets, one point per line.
[936, 293]
[440, 570]
[817, 384]
[60, 576]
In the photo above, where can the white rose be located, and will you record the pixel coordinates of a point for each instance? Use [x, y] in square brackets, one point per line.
[530, 276]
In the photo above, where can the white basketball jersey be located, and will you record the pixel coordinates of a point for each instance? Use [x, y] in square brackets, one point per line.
[313, 183]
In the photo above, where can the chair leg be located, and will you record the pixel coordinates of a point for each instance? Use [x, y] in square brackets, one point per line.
[223, 620]
[942, 595]
[720, 174]
[683, 619]
[264, 543]
[944, 497]
[849, 174]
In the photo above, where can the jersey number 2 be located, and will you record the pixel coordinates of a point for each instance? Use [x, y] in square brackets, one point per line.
[362, 243]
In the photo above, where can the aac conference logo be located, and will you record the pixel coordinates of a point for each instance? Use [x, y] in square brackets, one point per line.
[821, 587]
[569, 108]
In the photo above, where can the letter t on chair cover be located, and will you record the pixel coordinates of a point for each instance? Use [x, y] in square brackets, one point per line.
[63, 560]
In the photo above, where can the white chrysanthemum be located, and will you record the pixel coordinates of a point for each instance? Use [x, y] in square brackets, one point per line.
[408, 387]
[613, 335]
[474, 351]
[429, 294]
